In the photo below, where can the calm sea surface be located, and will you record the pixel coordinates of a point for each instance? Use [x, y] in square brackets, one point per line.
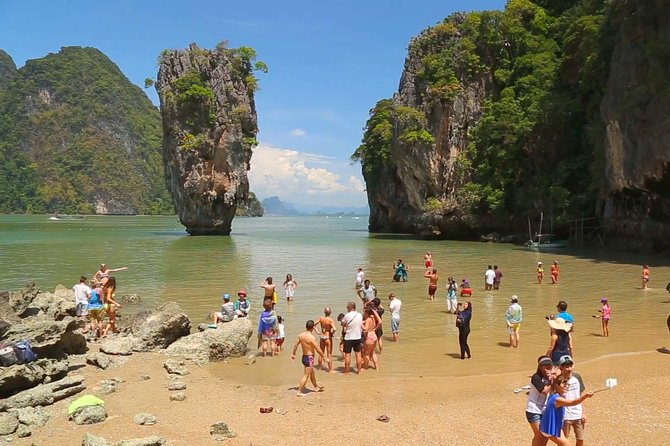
[323, 254]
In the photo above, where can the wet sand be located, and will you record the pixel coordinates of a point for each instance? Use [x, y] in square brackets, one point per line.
[469, 410]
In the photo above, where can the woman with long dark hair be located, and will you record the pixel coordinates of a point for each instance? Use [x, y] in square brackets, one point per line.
[463, 323]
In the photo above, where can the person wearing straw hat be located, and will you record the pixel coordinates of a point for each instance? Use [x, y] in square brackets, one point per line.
[574, 418]
[561, 341]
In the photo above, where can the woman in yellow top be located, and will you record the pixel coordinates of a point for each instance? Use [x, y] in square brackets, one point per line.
[540, 272]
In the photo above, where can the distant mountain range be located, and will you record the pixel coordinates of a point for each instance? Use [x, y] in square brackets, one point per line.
[275, 206]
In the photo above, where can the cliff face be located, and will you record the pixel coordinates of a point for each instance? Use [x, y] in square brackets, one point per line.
[209, 130]
[502, 115]
[635, 199]
[418, 170]
[76, 136]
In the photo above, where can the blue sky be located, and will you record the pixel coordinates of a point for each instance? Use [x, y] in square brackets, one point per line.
[329, 62]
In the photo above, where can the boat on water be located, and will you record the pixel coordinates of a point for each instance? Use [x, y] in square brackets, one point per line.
[66, 217]
[546, 241]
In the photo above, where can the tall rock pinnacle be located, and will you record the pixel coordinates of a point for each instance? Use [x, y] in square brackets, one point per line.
[209, 131]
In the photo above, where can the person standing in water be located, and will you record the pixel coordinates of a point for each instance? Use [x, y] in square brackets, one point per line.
[554, 272]
[428, 260]
[489, 278]
[270, 290]
[394, 308]
[498, 278]
[432, 285]
[463, 323]
[103, 273]
[514, 315]
[645, 277]
[360, 277]
[605, 314]
[289, 287]
[452, 301]
[308, 344]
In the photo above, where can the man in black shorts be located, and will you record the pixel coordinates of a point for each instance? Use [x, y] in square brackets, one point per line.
[353, 332]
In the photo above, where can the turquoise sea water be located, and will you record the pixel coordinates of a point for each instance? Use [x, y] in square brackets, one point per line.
[323, 254]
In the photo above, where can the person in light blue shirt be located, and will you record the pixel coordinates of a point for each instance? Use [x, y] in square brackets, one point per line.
[513, 316]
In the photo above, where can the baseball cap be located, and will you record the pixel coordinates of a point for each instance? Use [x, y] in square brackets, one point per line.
[226, 296]
[565, 360]
[515, 298]
[544, 360]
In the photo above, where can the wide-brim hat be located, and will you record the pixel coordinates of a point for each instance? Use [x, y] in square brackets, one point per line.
[514, 298]
[242, 292]
[559, 324]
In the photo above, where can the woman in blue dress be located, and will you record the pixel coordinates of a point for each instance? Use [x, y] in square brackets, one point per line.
[551, 424]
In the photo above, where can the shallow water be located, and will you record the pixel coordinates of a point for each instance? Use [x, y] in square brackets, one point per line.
[323, 254]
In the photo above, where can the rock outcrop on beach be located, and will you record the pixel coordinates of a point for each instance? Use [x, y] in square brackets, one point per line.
[157, 329]
[227, 340]
[209, 131]
[545, 107]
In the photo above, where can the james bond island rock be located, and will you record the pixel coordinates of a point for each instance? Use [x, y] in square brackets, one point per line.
[209, 131]
[553, 107]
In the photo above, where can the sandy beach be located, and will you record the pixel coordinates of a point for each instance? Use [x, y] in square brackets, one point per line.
[472, 410]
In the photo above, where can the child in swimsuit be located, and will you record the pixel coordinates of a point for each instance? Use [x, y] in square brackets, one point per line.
[282, 334]
[605, 313]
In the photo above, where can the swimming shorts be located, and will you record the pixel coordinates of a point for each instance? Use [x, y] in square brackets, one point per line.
[352, 344]
[308, 360]
[432, 289]
[513, 328]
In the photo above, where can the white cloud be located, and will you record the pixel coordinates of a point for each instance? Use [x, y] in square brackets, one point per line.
[305, 178]
[298, 132]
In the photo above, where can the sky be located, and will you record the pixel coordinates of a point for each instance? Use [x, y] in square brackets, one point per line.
[329, 63]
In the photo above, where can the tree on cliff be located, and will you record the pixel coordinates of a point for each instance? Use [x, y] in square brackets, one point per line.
[76, 136]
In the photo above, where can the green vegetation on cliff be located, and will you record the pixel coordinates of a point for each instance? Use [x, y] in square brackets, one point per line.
[251, 208]
[77, 136]
[538, 144]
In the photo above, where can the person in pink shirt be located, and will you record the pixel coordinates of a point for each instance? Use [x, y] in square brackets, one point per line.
[605, 314]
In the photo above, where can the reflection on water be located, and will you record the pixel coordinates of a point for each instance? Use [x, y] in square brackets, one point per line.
[323, 254]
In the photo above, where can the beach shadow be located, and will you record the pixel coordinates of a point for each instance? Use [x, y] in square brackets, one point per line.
[663, 350]
[596, 335]
[453, 355]
[307, 390]
[502, 344]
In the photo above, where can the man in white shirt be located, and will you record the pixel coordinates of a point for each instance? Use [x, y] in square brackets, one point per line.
[574, 418]
[353, 332]
[489, 278]
[394, 308]
[360, 277]
[82, 293]
[368, 292]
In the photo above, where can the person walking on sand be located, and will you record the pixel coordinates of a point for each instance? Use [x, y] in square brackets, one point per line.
[513, 316]
[289, 287]
[489, 278]
[452, 300]
[574, 418]
[554, 272]
[551, 424]
[268, 327]
[433, 278]
[308, 344]
[540, 386]
[539, 273]
[394, 308]
[498, 278]
[327, 326]
[463, 323]
[605, 314]
[353, 333]
[645, 277]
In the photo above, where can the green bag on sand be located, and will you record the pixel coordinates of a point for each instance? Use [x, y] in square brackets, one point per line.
[86, 400]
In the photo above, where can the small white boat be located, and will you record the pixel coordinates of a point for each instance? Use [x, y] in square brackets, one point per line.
[546, 241]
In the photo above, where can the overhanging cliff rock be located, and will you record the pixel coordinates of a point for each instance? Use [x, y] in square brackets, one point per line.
[209, 131]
